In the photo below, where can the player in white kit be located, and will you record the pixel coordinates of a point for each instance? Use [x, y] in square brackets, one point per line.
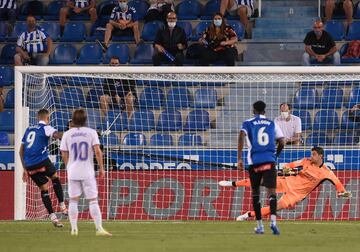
[78, 146]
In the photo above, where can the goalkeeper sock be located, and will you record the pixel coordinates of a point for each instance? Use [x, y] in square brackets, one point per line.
[58, 189]
[73, 213]
[47, 201]
[95, 214]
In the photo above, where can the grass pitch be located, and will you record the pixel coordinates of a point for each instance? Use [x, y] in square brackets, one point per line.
[182, 236]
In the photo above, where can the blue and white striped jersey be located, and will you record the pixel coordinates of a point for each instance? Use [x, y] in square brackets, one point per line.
[130, 14]
[81, 3]
[7, 4]
[249, 3]
[33, 42]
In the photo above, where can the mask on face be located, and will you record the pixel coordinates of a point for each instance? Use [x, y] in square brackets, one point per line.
[123, 6]
[284, 115]
[171, 24]
[318, 33]
[217, 22]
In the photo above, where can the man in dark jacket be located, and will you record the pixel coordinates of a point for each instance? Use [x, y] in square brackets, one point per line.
[170, 43]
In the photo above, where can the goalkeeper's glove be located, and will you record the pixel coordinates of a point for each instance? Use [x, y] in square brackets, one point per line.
[345, 194]
[286, 170]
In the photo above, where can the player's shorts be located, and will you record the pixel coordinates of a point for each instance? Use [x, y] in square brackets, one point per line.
[41, 172]
[263, 174]
[233, 11]
[87, 186]
[125, 32]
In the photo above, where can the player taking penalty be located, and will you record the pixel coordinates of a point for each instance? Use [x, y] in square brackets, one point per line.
[77, 147]
[296, 188]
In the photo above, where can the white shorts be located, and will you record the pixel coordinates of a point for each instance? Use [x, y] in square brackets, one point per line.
[233, 11]
[88, 187]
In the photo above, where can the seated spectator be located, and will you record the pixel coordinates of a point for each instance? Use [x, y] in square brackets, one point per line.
[342, 6]
[353, 50]
[354, 115]
[1, 100]
[289, 124]
[74, 7]
[320, 46]
[170, 43]
[123, 22]
[219, 41]
[33, 46]
[158, 10]
[118, 94]
[8, 11]
[243, 8]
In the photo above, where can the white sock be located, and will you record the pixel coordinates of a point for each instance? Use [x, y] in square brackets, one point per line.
[273, 219]
[259, 223]
[95, 214]
[73, 214]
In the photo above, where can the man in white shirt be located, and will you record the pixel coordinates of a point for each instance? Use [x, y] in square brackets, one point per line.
[289, 124]
[78, 146]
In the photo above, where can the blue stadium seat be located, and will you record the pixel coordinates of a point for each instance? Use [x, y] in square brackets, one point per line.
[4, 139]
[74, 32]
[205, 98]
[336, 29]
[150, 29]
[42, 98]
[190, 140]
[188, 10]
[35, 8]
[7, 54]
[354, 31]
[331, 98]
[169, 120]
[151, 98]
[94, 118]
[3, 31]
[161, 140]
[179, 98]
[53, 10]
[211, 7]
[112, 138]
[346, 138]
[6, 76]
[197, 120]
[10, 99]
[140, 6]
[64, 54]
[317, 139]
[90, 54]
[116, 120]
[326, 119]
[122, 51]
[105, 8]
[142, 120]
[354, 97]
[72, 97]
[357, 11]
[129, 37]
[238, 28]
[19, 28]
[61, 119]
[134, 139]
[186, 26]
[199, 29]
[7, 121]
[305, 117]
[93, 97]
[52, 29]
[306, 98]
[143, 54]
[342, 51]
[346, 124]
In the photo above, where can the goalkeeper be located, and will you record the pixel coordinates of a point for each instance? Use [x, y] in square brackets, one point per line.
[296, 188]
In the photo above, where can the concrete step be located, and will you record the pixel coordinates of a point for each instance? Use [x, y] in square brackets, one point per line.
[264, 22]
[280, 33]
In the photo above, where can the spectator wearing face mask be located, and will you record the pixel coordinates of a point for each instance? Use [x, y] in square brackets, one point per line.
[219, 41]
[289, 124]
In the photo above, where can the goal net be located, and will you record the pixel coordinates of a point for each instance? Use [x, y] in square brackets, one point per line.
[169, 135]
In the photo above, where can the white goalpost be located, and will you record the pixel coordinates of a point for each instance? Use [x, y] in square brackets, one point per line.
[168, 144]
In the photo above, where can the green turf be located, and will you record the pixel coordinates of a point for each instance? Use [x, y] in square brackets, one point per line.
[182, 236]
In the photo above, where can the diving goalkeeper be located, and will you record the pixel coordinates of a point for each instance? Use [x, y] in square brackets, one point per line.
[296, 188]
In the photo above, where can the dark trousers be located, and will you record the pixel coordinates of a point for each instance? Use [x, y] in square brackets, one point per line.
[208, 56]
[159, 58]
[8, 14]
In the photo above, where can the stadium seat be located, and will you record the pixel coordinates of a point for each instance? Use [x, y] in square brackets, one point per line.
[94, 118]
[35, 8]
[72, 97]
[7, 121]
[129, 37]
[112, 138]
[143, 54]
[238, 28]
[64, 54]
[346, 124]
[140, 6]
[336, 29]
[10, 99]
[186, 26]
[317, 139]
[122, 51]
[188, 10]
[90, 54]
[205, 98]
[343, 51]
[7, 54]
[305, 117]
[93, 97]
[74, 32]
[6, 76]
[354, 98]
[142, 120]
[199, 29]
[61, 119]
[52, 29]
[179, 98]
[306, 98]
[357, 11]
[161, 140]
[331, 98]
[354, 31]
[3, 31]
[345, 138]
[211, 7]
[190, 140]
[19, 28]
[53, 10]
[169, 120]
[326, 119]
[105, 8]
[4, 139]
[197, 120]
[116, 120]
[134, 139]
[151, 98]
[42, 98]
[150, 29]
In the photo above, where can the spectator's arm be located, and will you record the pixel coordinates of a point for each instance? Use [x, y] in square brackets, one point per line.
[331, 52]
[296, 138]
[1, 100]
[22, 52]
[92, 4]
[70, 4]
[49, 44]
[310, 51]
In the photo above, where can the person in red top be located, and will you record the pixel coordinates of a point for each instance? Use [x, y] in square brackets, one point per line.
[295, 188]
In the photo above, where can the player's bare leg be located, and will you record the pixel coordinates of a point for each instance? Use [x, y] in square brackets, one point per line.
[47, 203]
